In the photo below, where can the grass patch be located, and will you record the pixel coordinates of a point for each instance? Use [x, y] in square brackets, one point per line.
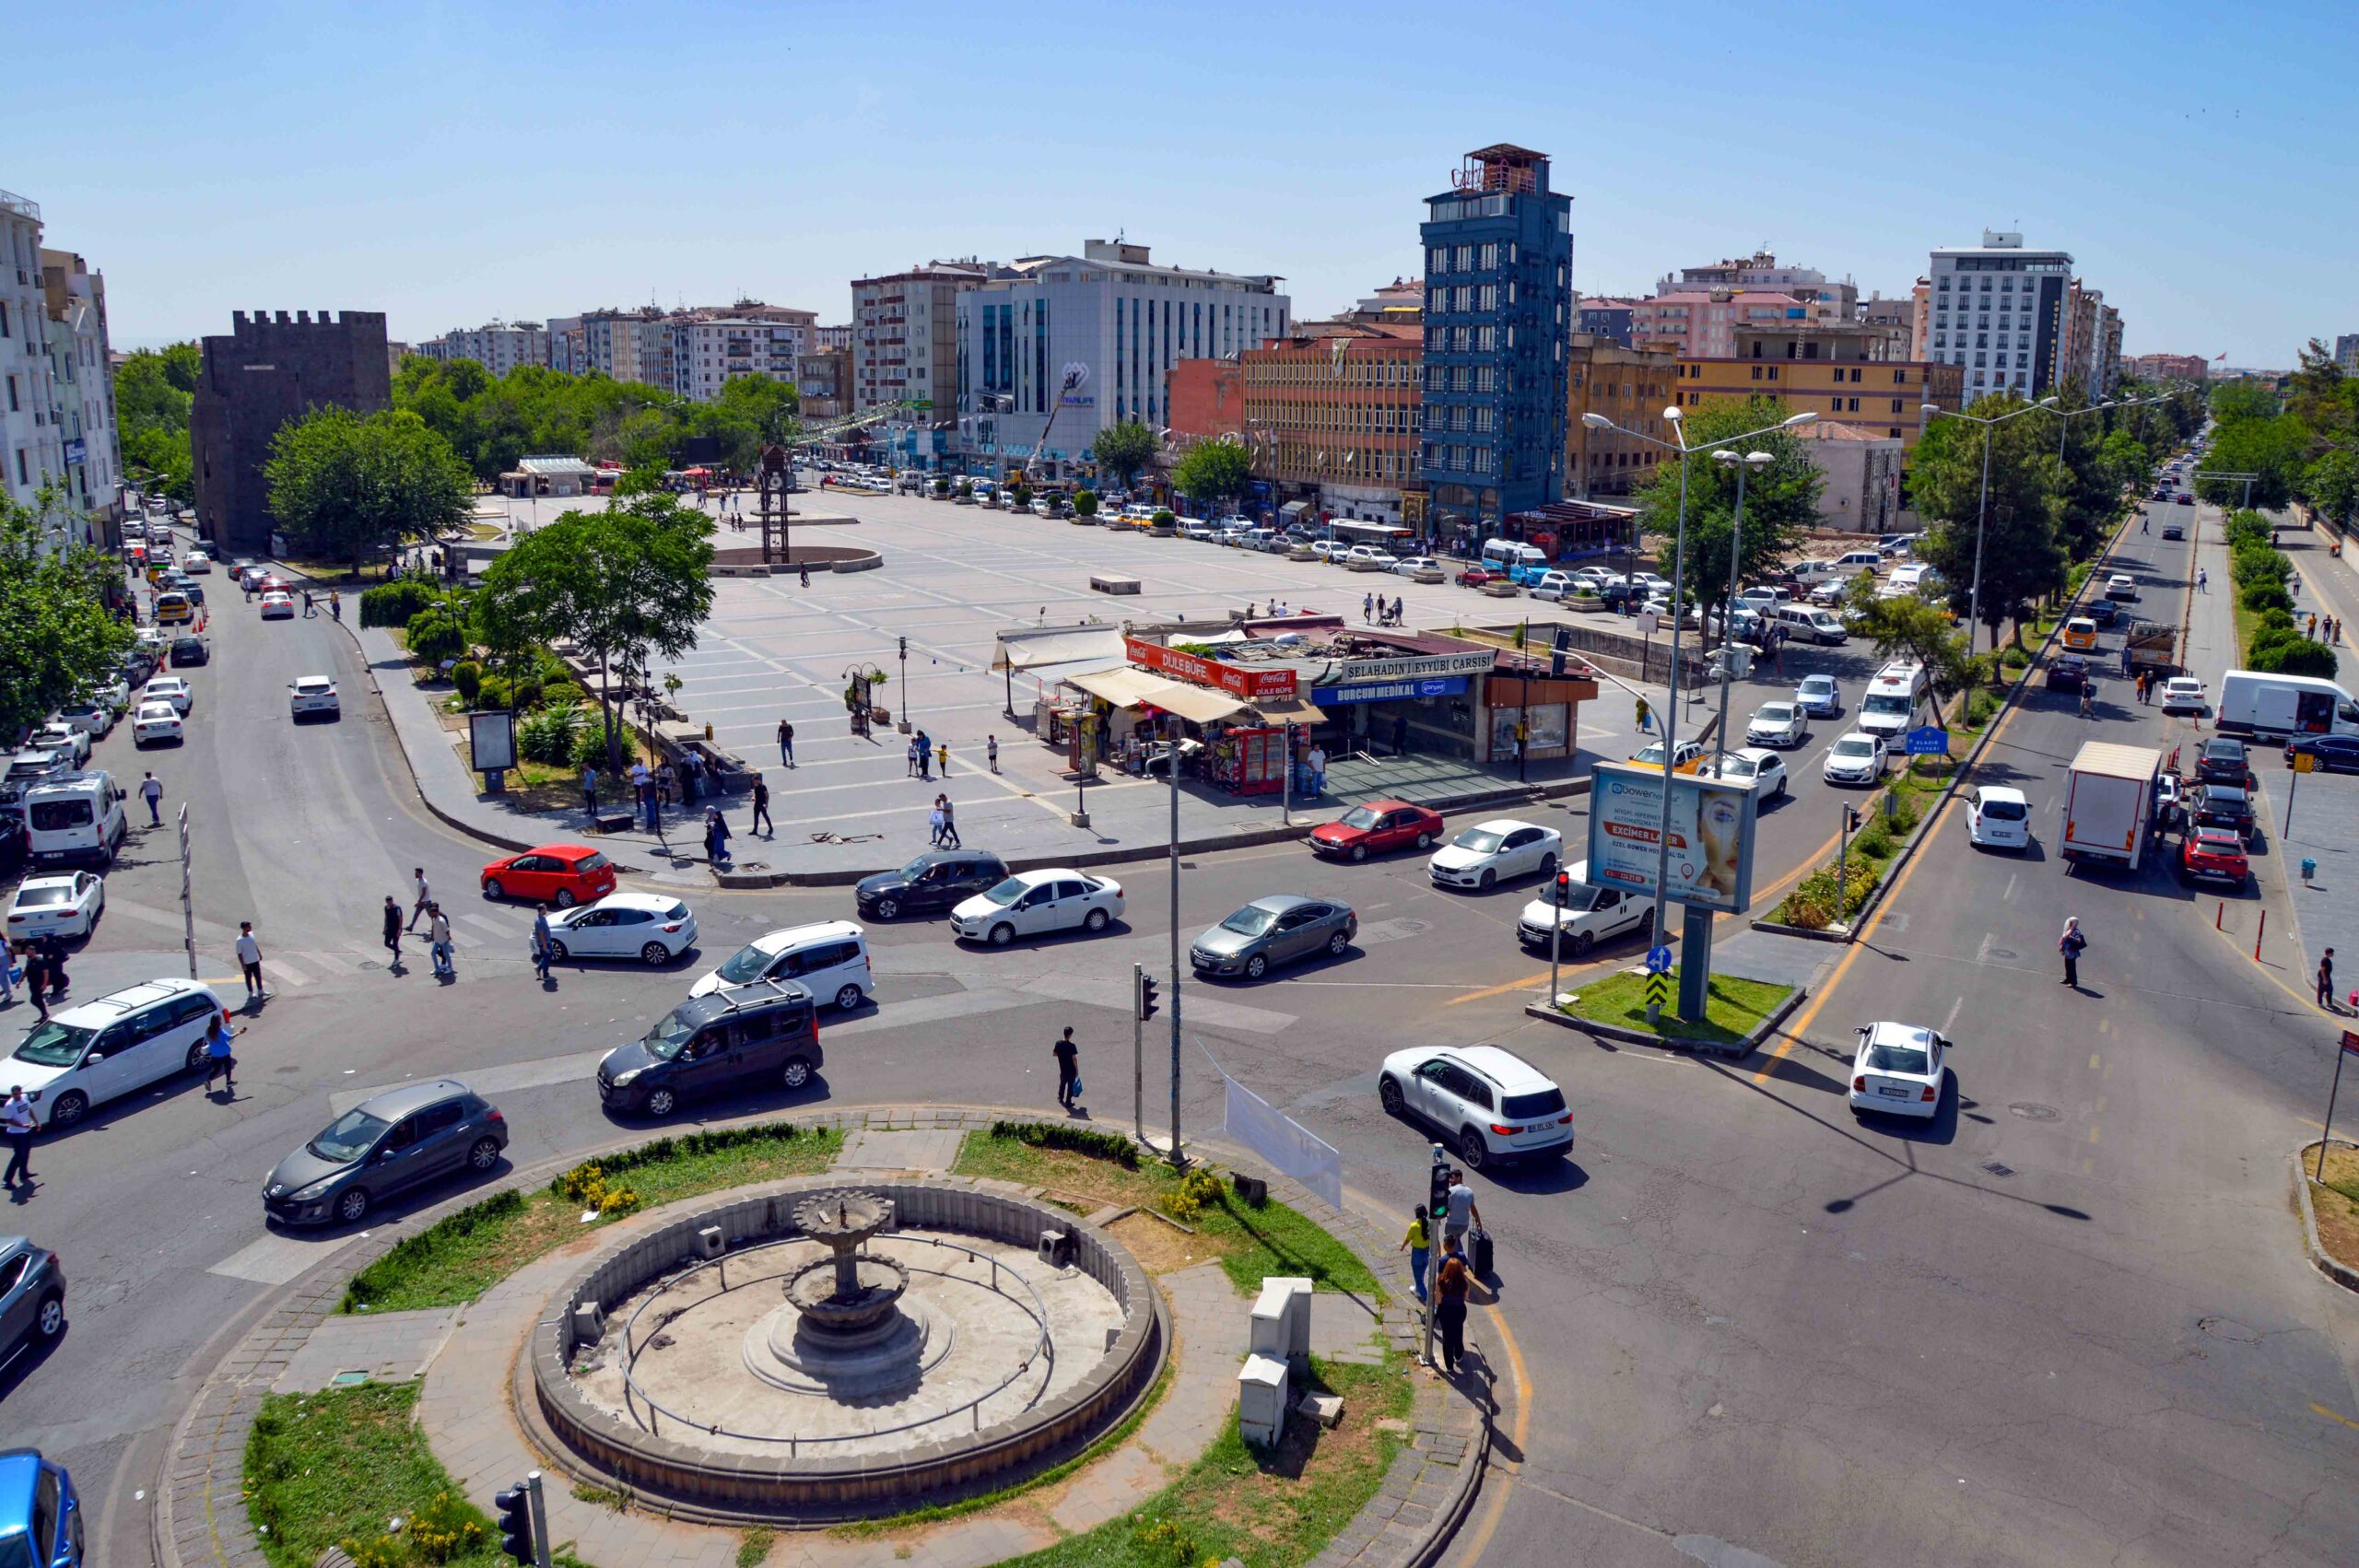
[331, 1468]
[1250, 1242]
[456, 1259]
[2247, 623]
[2336, 1203]
[1268, 1508]
[754, 1547]
[1733, 1007]
[339, 574]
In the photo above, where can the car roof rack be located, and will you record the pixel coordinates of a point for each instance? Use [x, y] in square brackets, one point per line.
[762, 992]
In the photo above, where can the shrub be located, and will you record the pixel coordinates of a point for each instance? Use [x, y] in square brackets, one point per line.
[1816, 902]
[1875, 840]
[1164, 518]
[2013, 658]
[447, 1528]
[524, 693]
[467, 675]
[2266, 596]
[590, 747]
[1024, 495]
[1084, 503]
[2272, 619]
[966, 486]
[572, 1185]
[435, 634]
[491, 691]
[392, 604]
[941, 484]
[562, 694]
[588, 1186]
[1199, 1190]
[1077, 1140]
[548, 735]
[2295, 656]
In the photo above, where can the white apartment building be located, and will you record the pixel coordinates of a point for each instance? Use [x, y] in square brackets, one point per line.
[1063, 346]
[630, 346]
[497, 347]
[905, 334]
[1996, 310]
[1760, 272]
[32, 446]
[708, 352]
[82, 379]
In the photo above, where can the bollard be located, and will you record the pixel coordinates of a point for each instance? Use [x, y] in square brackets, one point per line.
[2218, 921]
[2258, 934]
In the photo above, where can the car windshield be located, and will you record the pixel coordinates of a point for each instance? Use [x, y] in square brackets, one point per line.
[1252, 920]
[1774, 713]
[669, 1033]
[1652, 754]
[745, 963]
[352, 1136]
[1887, 703]
[1008, 891]
[55, 1045]
[1482, 840]
[41, 898]
[2005, 811]
[1817, 684]
[1887, 1056]
[1533, 1106]
[2225, 751]
[1738, 767]
[1851, 747]
[1358, 816]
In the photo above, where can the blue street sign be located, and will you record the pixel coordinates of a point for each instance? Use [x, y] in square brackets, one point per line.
[1659, 961]
[1929, 741]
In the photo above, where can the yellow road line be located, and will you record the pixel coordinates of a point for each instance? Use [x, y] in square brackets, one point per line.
[2330, 1415]
[1480, 1540]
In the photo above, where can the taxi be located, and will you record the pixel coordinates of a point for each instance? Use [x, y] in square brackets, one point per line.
[2081, 635]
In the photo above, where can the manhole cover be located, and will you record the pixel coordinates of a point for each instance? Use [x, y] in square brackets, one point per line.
[1376, 933]
[2006, 954]
[2229, 1328]
[1998, 1169]
[2030, 1112]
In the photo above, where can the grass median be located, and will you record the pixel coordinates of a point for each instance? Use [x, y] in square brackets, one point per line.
[2335, 1201]
[1733, 1007]
[1823, 898]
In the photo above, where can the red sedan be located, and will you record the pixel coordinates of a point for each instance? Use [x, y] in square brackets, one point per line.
[1376, 827]
[563, 874]
[2213, 854]
[1475, 577]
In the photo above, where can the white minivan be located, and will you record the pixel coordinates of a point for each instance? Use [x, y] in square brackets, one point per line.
[1857, 561]
[97, 1050]
[1506, 553]
[1813, 624]
[829, 959]
[70, 816]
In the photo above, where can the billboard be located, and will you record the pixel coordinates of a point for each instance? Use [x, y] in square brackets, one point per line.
[491, 739]
[1711, 835]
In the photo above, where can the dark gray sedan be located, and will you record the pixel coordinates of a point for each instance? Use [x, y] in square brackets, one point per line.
[388, 1144]
[32, 1293]
[1274, 931]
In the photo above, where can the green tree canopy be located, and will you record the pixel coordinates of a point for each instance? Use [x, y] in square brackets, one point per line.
[348, 485]
[2089, 492]
[1907, 626]
[1213, 471]
[1122, 449]
[2331, 485]
[154, 390]
[2232, 401]
[2021, 556]
[57, 637]
[2275, 448]
[2126, 462]
[1780, 500]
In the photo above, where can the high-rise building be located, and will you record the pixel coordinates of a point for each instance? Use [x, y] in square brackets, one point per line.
[2346, 352]
[1761, 272]
[569, 345]
[82, 379]
[708, 352]
[1630, 386]
[1997, 313]
[1499, 249]
[32, 441]
[2090, 356]
[497, 347]
[1835, 369]
[823, 379]
[905, 334]
[249, 382]
[1060, 347]
[630, 346]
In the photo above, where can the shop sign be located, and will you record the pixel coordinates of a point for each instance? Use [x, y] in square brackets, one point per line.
[1237, 680]
[1711, 835]
[1474, 663]
[1389, 691]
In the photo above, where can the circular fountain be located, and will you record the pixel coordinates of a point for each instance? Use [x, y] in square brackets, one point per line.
[845, 1329]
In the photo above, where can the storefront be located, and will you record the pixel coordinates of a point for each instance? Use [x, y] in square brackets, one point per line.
[1548, 710]
[1418, 702]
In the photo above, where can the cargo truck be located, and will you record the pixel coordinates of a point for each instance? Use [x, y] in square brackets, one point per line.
[2254, 702]
[2108, 802]
[2151, 645]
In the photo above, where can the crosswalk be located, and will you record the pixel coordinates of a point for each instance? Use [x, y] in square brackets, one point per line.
[496, 938]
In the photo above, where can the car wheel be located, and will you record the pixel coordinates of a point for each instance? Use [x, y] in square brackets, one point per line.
[195, 1056]
[1646, 923]
[557, 951]
[887, 908]
[352, 1205]
[563, 899]
[1471, 1148]
[1490, 879]
[1001, 934]
[484, 1155]
[1360, 853]
[1425, 840]
[655, 955]
[1388, 1095]
[1780, 792]
[1095, 920]
[1338, 944]
[1582, 943]
[491, 888]
[847, 998]
[1547, 867]
[1256, 967]
[662, 1103]
[50, 1321]
[796, 1075]
[71, 1107]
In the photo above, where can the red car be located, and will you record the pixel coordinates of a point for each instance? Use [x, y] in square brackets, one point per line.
[2213, 854]
[1376, 826]
[563, 874]
[1475, 577]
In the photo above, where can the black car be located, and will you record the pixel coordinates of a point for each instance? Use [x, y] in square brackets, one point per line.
[2221, 805]
[930, 884]
[765, 1032]
[387, 1143]
[2222, 761]
[2329, 754]
[2104, 612]
[2173, 531]
[2068, 673]
[187, 650]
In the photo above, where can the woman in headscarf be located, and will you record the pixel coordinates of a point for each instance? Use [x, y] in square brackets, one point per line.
[2071, 946]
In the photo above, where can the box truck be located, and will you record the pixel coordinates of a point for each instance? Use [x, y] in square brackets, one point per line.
[2253, 702]
[2109, 802]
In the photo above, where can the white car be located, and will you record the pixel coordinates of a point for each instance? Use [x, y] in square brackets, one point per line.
[1410, 565]
[1034, 902]
[92, 715]
[1856, 758]
[310, 695]
[1898, 1069]
[166, 688]
[1652, 582]
[1502, 848]
[1598, 578]
[57, 735]
[278, 606]
[198, 562]
[1369, 555]
[1554, 585]
[1329, 551]
[2184, 693]
[653, 927]
[1762, 768]
[827, 958]
[156, 721]
[56, 905]
[1778, 724]
[1489, 1104]
[2120, 586]
[1819, 697]
[1998, 818]
[1830, 594]
[114, 695]
[1587, 916]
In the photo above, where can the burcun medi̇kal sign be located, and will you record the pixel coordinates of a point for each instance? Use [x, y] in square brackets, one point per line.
[1711, 835]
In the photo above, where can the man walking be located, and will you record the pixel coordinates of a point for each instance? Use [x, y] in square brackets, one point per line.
[425, 904]
[394, 930]
[37, 977]
[152, 791]
[438, 939]
[1068, 1056]
[786, 742]
[249, 961]
[541, 953]
[950, 826]
[2325, 981]
[2071, 944]
[761, 817]
[17, 1124]
[1317, 763]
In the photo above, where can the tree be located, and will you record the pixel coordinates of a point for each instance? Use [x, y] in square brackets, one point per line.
[622, 584]
[1780, 500]
[1122, 449]
[2022, 559]
[2275, 449]
[2127, 464]
[154, 390]
[1213, 471]
[1909, 628]
[2232, 400]
[1084, 503]
[347, 486]
[57, 637]
[2331, 485]
[2090, 499]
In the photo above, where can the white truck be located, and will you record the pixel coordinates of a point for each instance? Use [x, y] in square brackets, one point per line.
[2279, 707]
[2109, 802]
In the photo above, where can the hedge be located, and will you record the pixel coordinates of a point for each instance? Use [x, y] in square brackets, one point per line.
[392, 604]
[1076, 1139]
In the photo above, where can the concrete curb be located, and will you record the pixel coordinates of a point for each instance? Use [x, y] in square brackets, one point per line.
[1760, 1032]
[2321, 1259]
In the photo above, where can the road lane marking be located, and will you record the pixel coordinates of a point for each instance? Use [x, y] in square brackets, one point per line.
[1952, 1019]
[2093, 1061]
[2331, 1415]
[275, 1259]
[534, 1074]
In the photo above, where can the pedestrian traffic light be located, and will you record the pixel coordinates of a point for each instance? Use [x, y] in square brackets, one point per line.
[1564, 889]
[514, 1507]
[1146, 997]
[1850, 819]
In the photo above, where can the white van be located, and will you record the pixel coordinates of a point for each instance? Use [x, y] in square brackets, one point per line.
[1857, 561]
[96, 1050]
[1811, 623]
[829, 959]
[1892, 698]
[1506, 553]
[1809, 574]
[70, 816]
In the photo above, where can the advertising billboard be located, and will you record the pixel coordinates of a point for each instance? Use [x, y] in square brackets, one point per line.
[1711, 835]
[492, 740]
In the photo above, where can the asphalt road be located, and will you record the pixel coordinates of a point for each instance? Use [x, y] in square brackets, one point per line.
[2064, 1324]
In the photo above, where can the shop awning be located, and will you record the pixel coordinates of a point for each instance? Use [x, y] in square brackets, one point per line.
[1031, 649]
[1293, 711]
[1125, 688]
[1198, 705]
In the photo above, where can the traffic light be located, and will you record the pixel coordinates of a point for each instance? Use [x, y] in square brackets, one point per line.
[514, 1507]
[1564, 889]
[904, 647]
[1850, 819]
[1146, 997]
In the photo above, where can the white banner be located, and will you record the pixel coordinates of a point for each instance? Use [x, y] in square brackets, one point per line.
[1283, 1142]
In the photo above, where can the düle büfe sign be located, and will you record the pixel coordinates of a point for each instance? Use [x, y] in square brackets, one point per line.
[1237, 680]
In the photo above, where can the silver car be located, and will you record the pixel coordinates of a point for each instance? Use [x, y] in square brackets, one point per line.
[1273, 930]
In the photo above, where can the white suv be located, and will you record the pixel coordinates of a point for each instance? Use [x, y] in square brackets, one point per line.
[109, 1047]
[1491, 1104]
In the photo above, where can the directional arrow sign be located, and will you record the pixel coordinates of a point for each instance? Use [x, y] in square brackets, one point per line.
[1659, 960]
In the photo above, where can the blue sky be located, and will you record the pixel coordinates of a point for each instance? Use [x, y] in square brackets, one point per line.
[448, 164]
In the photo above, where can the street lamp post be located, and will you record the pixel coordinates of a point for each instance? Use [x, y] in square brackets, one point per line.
[1757, 461]
[1982, 508]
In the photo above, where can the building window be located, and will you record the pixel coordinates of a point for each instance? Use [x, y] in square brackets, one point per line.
[1773, 372]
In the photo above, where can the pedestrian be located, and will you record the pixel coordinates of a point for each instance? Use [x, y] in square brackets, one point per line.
[933, 824]
[589, 794]
[438, 936]
[152, 791]
[2313, 633]
[307, 603]
[942, 753]
[716, 838]
[913, 757]
[691, 777]
[990, 752]
[2071, 944]
[17, 1123]
[1644, 717]
[1396, 609]
[2326, 980]
[542, 952]
[761, 820]
[1459, 1209]
[425, 898]
[647, 807]
[335, 604]
[218, 1061]
[1317, 762]
[2142, 521]
[1367, 608]
[806, 575]
[2202, 580]
[394, 929]
[9, 973]
[36, 973]
[950, 826]
[786, 742]
[1068, 1056]
[666, 781]
[249, 961]
[1417, 1244]
[1450, 1312]
[1400, 735]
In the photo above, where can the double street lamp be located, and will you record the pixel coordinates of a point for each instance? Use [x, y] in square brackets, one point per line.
[1982, 508]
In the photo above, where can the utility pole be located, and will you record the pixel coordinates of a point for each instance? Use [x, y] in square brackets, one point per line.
[1179, 1160]
[188, 908]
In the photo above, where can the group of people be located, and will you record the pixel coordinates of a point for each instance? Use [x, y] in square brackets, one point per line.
[38, 964]
[923, 757]
[438, 928]
[944, 822]
[652, 789]
[1375, 609]
[1459, 1218]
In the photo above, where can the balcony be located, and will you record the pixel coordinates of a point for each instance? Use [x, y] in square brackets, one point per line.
[11, 201]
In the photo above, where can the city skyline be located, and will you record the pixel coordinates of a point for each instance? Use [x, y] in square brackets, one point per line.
[309, 165]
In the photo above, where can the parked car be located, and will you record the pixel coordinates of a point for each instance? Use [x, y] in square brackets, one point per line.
[765, 1032]
[32, 1306]
[1477, 576]
[1488, 1102]
[91, 1052]
[168, 688]
[388, 1144]
[312, 697]
[827, 958]
[1778, 724]
[156, 721]
[1376, 826]
[41, 1516]
[1998, 818]
[1762, 768]
[1552, 585]
[2327, 753]
[933, 883]
[1584, 914]
[1410, 565]
[1819, 697]
[2184, 693]
[563, 874]
[1898, 1069]
[2213, 854]
[1037, 903]
[90, 715]
[60, 736]
[67, 905]
[653, 927]
[2222, 761]
[2222, 806]
[1856, 758]
[1271, 931]
[1481, 855]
